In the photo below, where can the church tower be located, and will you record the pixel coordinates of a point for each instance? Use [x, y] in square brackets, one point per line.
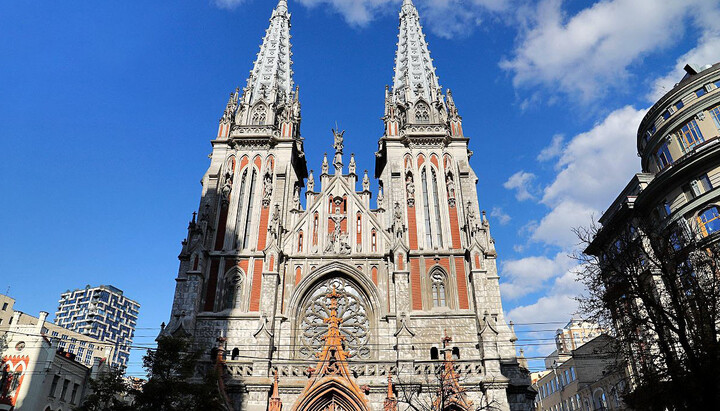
[266, 279]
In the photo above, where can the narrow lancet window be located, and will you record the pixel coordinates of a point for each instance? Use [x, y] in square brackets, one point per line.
[426, 208]
[248, 216]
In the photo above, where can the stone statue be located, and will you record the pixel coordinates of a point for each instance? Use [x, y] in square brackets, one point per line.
[339, 143]
[410, 188]
[450, 184]
[398, 221]
[267, 189]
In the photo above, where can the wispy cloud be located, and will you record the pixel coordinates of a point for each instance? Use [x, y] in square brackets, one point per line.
[500, 215]
[553, 150]
[445, 18]
[524, 185]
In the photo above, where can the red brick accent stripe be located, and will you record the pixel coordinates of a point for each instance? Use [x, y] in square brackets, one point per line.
[462, 283]
[415, 286]
[256, 286]
[412, 228]
[222, 225]
[454, 228]
[262, 231]
[375, 275]
[211, 286]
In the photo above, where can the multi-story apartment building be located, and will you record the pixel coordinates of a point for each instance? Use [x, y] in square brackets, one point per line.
[589, 379]
[103, 313]
[656, 250]
[37, 374]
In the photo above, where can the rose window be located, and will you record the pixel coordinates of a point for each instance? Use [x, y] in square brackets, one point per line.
[352, 309]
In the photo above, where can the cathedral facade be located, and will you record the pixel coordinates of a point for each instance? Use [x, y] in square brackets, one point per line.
[280, 261]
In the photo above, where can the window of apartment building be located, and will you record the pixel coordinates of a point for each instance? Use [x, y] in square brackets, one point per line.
[667, 209]
[663, 156]
[679, 105]
[715, 113]
[700, 92]
[690, 135]
[666, 114]
[53, 386]
[572, 372]
[5, 306]
[709, 220]
[704, 183]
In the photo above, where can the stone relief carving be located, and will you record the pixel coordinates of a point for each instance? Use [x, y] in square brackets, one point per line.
[337, 241]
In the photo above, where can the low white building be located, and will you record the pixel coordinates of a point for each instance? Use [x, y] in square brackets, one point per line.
[36, 375]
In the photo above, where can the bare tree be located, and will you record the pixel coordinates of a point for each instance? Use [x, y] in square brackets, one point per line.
[657, 289]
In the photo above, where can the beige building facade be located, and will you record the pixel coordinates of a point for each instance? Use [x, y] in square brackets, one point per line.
[588, 380]
[413, 260]
[36, 374]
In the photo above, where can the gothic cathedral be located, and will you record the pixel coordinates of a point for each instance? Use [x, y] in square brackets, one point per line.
[336, 303]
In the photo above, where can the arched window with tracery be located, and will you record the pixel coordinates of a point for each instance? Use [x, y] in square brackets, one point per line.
[241, 203]
[438, 289]
[233, 290]
[259, 116]
[422, 113]
[353, 308]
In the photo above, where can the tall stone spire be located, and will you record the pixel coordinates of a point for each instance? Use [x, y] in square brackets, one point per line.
[272, 72]
[414, 71]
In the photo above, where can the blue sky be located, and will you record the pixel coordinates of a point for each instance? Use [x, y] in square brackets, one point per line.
[107, 110]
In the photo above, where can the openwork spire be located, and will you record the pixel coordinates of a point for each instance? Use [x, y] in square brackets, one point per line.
[414, 71]
[272, 72]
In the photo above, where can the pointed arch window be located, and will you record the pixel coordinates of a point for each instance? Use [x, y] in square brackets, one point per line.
[373, 241]
[438, 289]
[437, 208]
[241, 203]
[426, 209]
[422, 113]
[259, 116]
[249, 214]
[235, 354]
[233, 288]
[300, 241]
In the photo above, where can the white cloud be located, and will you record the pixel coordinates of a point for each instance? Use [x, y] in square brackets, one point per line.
[522, 183]
[500, 215]
[587, 53]
[707, 52]
[556, 308]
[596, 165]
[527, 275]
[553, 150]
